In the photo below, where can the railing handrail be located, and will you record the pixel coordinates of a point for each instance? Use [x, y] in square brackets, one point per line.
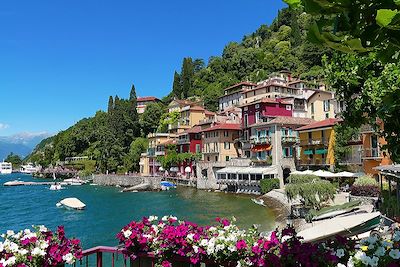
[106, 249]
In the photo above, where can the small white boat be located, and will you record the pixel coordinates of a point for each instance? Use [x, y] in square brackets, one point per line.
[72, 203]
[28, 168]
[345, 226]
[258, 201]
[13, 183]
[74, 181]
[56, 187]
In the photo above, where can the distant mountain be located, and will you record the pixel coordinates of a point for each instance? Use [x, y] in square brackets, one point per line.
[21, 144]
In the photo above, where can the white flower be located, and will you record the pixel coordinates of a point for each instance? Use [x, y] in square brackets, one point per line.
[69, 258]
[232, 248]
[127, 233]
[238, 264]
[380, 251]
[13, 247]
[359, 255]
[42, 228]
[10, 261]
[195, 249]
[350, 263]
[27, 231]
[340, 253]
[43, 244]
[23, 252]
[3, 262]
[165, 218]
[10, 233]
[395, 254]
[153, 218]
[219, 247]
[212, 229]
[173, 218]
[396, 236]
[341, 265]
[190, 236]
[204, 242]
[1, 247]
[38, 252]
[374, 261]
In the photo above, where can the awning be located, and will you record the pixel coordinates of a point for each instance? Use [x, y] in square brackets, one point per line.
[259, 148]
[308, 152]
[320, 151]
[249, 170]
[326, 174]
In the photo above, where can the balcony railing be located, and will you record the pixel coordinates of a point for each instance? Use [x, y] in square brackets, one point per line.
[372, 153]
[314, 141]
[260, 140]
[182, 141]
[290, 139]
[160, 153]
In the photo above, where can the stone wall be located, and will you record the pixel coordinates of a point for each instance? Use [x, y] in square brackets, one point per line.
[127, 180]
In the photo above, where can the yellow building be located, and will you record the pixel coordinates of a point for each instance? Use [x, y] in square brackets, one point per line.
[317, 142]
[190, 114]
[218, 142]
[148, 163]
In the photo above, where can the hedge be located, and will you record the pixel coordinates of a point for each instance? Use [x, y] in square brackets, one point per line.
[269, 184]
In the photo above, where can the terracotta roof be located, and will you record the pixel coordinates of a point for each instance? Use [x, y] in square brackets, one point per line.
[240, 84]
[183, 102]
[223, 126]
[291, 120]
[320, 124]
[267, 100]
[209, 113]
[147, 98]
[194, 129]
[169, 142]
[197, 108]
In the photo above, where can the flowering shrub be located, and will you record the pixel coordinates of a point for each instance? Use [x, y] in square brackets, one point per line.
[38, 247]
[365, 190]
[225, 244]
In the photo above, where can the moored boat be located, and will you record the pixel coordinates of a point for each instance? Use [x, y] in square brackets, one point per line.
[72, 203]
[28, 169]
[346, 226]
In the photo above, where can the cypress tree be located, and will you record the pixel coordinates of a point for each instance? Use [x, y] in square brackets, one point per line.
[187, 76]
[133, 103]
[177, 86]
[110, 104]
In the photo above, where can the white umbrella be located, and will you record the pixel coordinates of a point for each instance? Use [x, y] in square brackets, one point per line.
[326, 174]
[188, 169]
[307, 172]
[345, 174]
[297, 172]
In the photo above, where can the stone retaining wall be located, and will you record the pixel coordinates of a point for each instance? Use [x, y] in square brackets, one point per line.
[127, 180]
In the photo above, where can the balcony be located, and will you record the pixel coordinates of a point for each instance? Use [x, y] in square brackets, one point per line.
[260, 140]
[371, 153]
[183, 141]
[290, 139]
[366, 128]
[314, 142]
[211, 151]
[299, 107]
[160, 153]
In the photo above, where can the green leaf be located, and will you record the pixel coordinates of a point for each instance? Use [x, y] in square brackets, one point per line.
[384, 17]
[397, 2]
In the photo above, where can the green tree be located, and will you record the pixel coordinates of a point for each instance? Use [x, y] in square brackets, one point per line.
[138, 146]
[110, 104]
[14, 159]
[177, 85]
[150, 118]
[166, 119]
[187, 74]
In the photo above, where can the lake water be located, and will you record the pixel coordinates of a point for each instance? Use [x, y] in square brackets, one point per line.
[108, 210]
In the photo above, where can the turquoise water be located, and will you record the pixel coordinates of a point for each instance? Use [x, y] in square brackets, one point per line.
[108, 210]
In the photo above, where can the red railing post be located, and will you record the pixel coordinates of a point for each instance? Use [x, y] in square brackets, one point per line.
[99, 259]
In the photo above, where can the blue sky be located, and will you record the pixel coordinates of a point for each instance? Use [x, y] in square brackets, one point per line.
[61, 59]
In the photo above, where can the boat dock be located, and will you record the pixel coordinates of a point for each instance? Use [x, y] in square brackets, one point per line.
[20, 183]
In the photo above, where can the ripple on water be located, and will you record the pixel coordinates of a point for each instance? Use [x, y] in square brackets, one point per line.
[108, 210]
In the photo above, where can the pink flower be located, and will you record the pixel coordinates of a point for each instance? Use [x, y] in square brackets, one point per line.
[241, 244]
[166, 264]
